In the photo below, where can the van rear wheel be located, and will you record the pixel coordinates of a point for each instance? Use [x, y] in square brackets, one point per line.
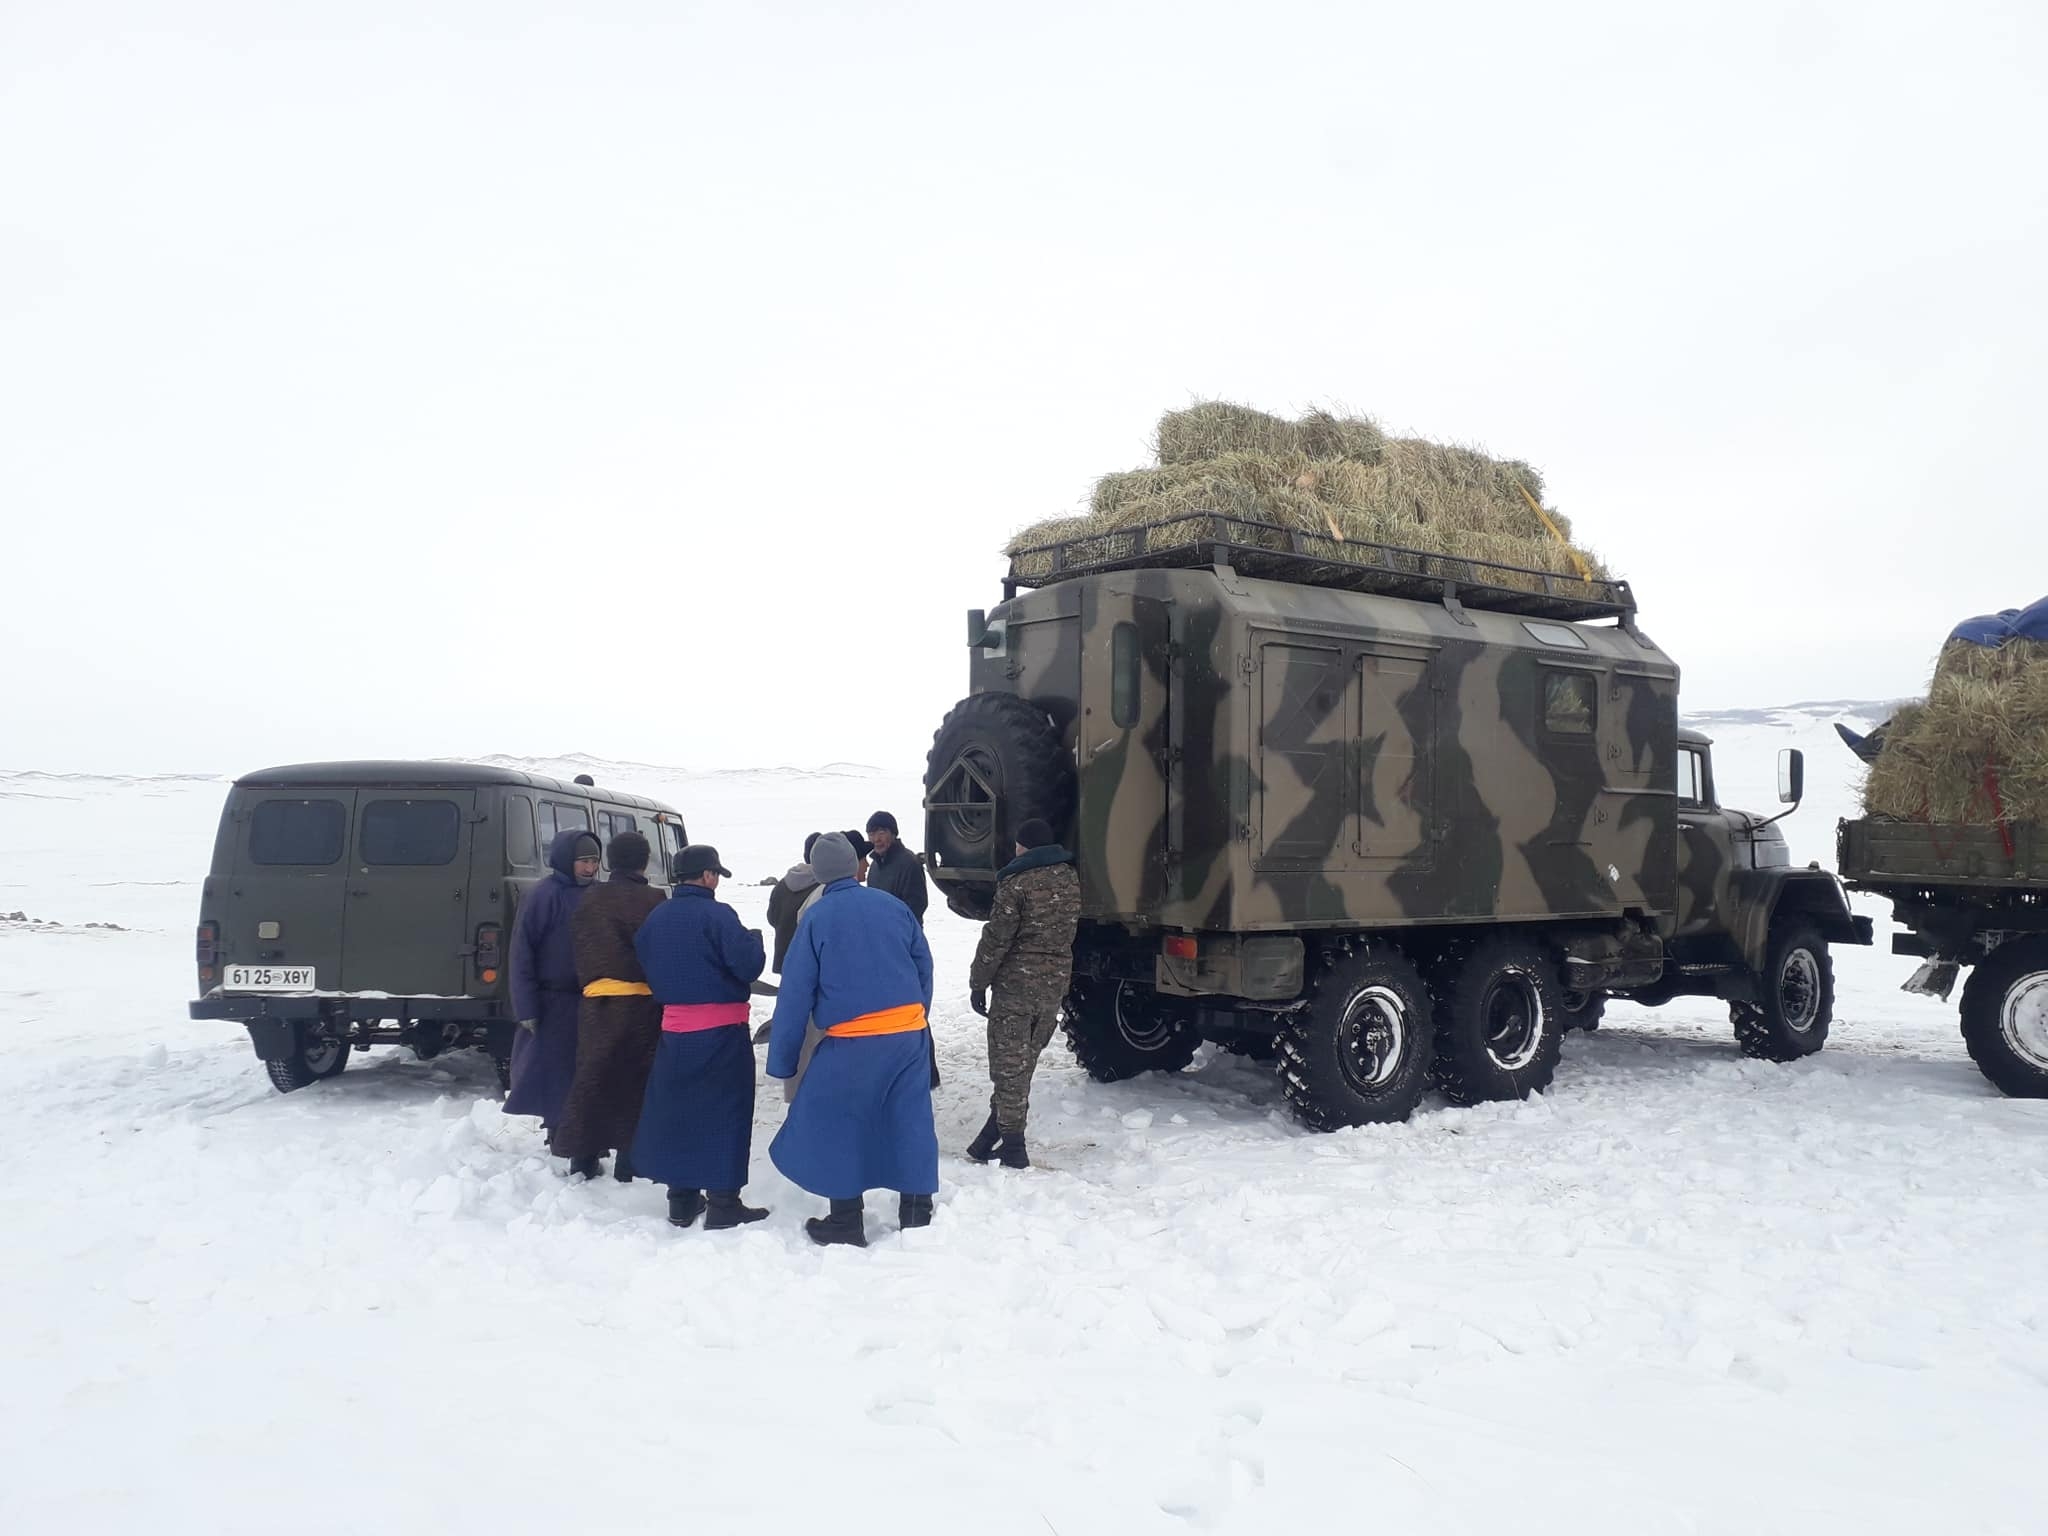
[313, 1058]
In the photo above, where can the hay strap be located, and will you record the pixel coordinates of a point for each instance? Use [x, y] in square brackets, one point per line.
[1577, 559]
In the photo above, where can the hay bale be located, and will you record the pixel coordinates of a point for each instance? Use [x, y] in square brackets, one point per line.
[1984, 724]
[1338, 481]
[1216, 429]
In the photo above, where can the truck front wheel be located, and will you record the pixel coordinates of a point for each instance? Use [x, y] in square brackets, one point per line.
[2005, 1018]
[1359, 1054]
[313, 1057]
[1120, 1028]
[1796, 998]
[1499, 1022]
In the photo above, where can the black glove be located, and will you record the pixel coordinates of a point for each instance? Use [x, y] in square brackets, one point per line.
[978, 1001]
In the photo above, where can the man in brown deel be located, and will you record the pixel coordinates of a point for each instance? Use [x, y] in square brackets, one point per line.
[619, 1024]
[1027, 955]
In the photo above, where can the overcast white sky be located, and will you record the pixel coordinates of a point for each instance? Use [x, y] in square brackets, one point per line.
[661, 381]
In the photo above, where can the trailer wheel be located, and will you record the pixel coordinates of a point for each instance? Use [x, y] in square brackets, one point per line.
[1499, 1022]
[1798, 998]
[1118, 1029]
[2005, 1018]
[1359, 1054]
[313, 1058]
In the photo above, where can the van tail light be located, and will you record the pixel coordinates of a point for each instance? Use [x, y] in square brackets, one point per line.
[488, 956]
[206, 949]
[1181, 946]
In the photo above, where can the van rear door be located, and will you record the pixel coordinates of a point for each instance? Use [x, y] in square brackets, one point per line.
[408, 878]
[284, 904]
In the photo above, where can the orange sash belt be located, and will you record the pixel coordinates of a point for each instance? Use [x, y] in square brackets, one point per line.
[606, 987]
[884, 1021]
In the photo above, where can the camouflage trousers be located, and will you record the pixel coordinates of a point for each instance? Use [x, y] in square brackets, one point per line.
[1020, 1026]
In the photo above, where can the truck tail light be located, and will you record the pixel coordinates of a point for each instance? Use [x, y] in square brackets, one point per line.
[206, 949]
[488, 958]
[1182, 946]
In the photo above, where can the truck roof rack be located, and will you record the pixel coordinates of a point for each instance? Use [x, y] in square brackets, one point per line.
[1277, 553]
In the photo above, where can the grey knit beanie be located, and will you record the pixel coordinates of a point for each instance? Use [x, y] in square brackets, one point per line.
[832, 858]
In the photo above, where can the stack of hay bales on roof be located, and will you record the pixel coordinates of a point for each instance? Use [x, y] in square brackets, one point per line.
[1334, 481]
[1975, 751]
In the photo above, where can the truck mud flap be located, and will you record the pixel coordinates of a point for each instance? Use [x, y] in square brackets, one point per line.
[274, 1039]
[1936, 978]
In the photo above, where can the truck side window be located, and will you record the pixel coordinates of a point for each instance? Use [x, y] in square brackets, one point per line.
[1568, 701]
[415, 832]
[522, 845]
[1692, 789]
[304, 832]
[1123, 675]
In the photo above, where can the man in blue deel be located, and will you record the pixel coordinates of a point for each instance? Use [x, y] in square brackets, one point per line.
[545, 992]
[697, 1126]
[862, 1118]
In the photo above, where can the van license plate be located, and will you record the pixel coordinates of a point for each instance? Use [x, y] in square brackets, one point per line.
[269, 978]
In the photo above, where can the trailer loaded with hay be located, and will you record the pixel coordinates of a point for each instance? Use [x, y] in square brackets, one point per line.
[1368, 769]
[1955, 836]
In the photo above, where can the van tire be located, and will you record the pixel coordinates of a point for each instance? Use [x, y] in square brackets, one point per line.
[1012, 744]
[1499, 1022]
[313, 1059]
[1796, 998]
[1359, 1054]
[2002, 1012]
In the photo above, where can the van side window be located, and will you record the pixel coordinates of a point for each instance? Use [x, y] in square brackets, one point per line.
[522, 846]
[557, 818]
[609, 825]
[304, 832]
[1568, 702]
[417, 832]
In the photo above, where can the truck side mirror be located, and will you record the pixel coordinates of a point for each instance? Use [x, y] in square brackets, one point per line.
[1791, 776]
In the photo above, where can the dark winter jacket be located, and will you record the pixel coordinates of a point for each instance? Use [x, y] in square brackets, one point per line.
[694, 949]
[1028, 940]
[604, 926]
[786, 905]
[543, 955]
[900, 874]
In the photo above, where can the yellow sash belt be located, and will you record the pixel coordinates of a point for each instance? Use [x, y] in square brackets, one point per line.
[606, 987]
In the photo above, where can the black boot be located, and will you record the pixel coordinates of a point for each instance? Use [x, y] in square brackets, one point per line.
[844, 1225]
[983, 1147]
[585, 1167]
[725, 1209]
[1012, 1152]
[622, 1167]
[914, 1211]
[685, 1206]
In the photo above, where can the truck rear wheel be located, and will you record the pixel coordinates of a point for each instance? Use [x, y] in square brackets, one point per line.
[1118, 1029]
[1797, 999]
[1499, 1022]
[313, 1058]
[1359, 1054]
[2005, 1018]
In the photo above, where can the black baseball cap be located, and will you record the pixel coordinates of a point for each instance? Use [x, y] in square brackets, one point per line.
[694, 861]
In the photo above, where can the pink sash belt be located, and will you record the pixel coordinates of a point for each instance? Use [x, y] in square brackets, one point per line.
[686, 1018]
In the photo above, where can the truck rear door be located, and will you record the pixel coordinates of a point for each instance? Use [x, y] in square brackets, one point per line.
[407, 893]
[1122, 752]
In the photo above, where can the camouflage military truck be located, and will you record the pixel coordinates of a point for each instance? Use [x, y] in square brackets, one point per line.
[352, 904]
[1392, 818]
[1970, 898]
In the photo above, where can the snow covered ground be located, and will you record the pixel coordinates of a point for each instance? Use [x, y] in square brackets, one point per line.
[1681, 1292]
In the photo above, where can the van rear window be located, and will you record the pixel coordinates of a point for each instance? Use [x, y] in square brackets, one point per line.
[410, 832]
[308, 832]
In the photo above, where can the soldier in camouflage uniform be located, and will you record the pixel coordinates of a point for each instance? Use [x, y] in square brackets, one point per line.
[1026, 955]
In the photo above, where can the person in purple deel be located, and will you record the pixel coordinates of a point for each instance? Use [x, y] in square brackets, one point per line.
[545, 991]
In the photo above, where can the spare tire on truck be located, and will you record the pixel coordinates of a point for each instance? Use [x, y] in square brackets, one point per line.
[996, 762]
